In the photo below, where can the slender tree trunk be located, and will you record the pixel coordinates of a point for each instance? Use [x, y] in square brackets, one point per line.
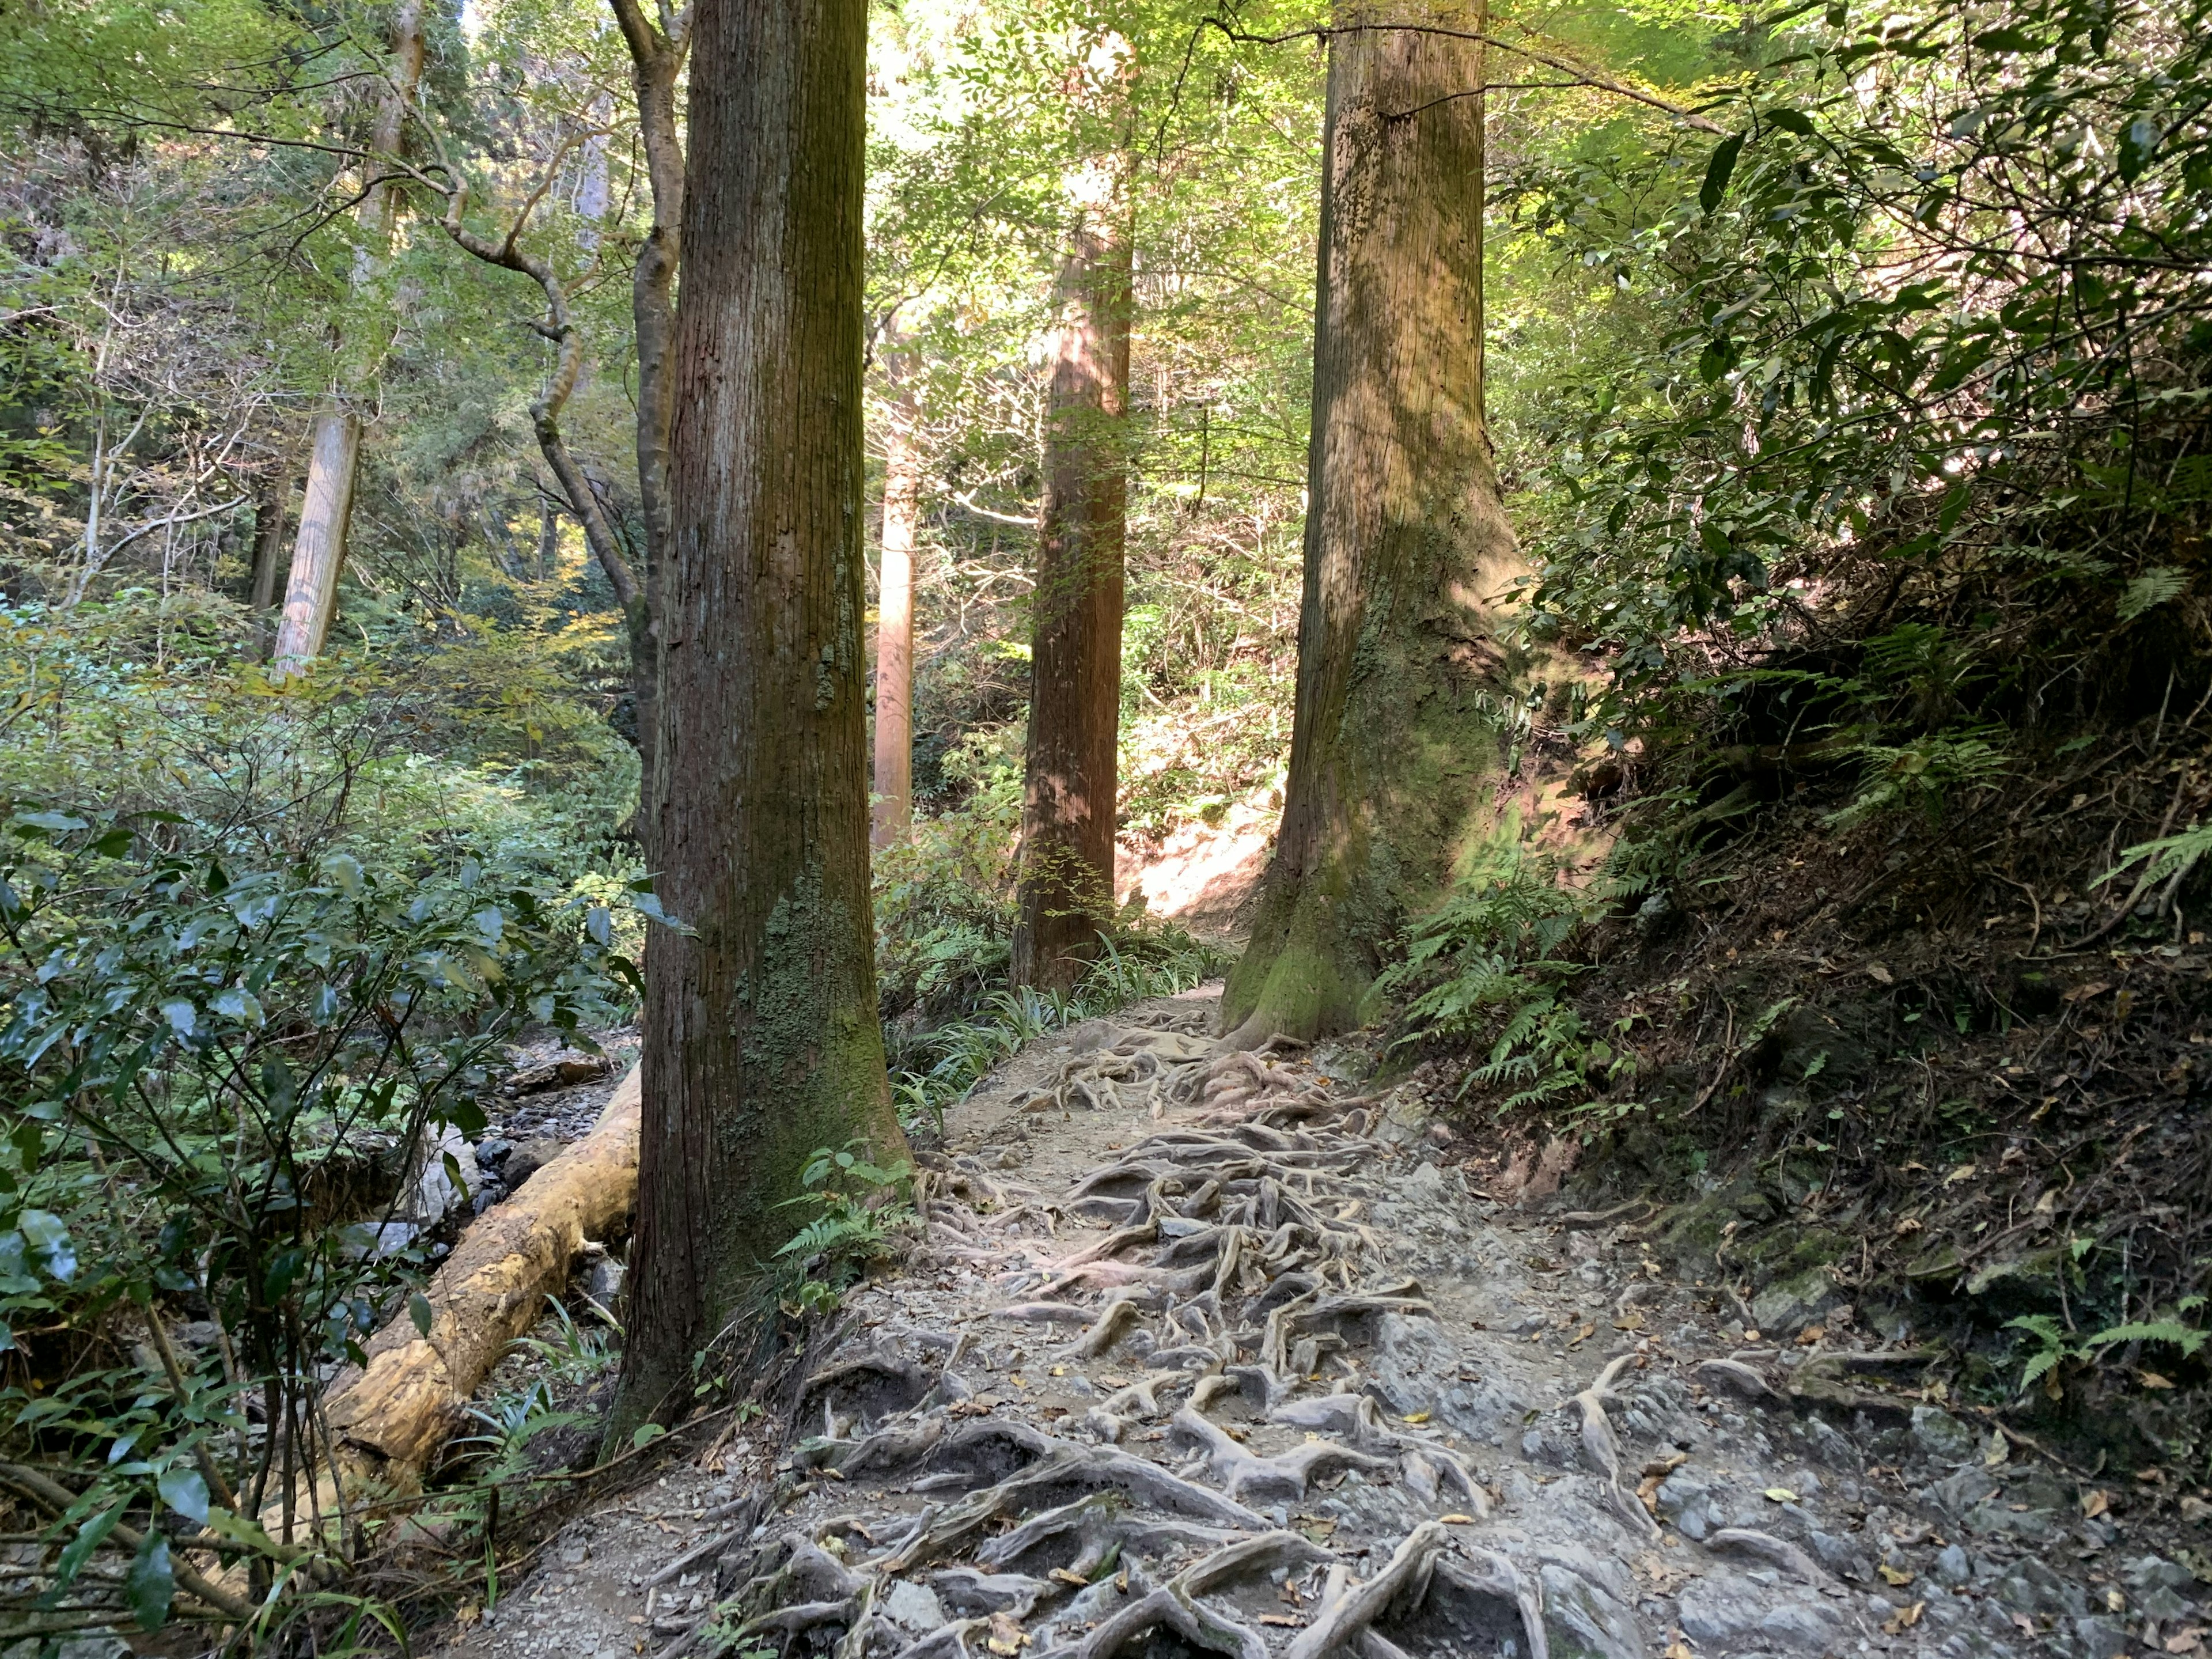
[1395, 745]
[270, 515]
[761, 1038]
[1070, 783]
[656, 61]
[316, 562]
[894, 777]
[311, 594]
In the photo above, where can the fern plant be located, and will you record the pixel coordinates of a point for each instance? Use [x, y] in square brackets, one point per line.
[2055, 1348]
[861, 1204]
[1483, 966]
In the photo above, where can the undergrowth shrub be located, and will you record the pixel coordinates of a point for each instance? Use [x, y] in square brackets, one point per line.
[259, 957]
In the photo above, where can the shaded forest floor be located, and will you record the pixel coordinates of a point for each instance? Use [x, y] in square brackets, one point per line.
[1197, 1355]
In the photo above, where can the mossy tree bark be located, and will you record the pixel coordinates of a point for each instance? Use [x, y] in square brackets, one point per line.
[1071, 773]
[761, 1039]
[1395, 738]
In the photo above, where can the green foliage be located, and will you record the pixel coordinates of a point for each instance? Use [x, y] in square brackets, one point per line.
[860, 1205]
[1923, 324]
[2055, 1346]
[1481, 968]
[257, 958]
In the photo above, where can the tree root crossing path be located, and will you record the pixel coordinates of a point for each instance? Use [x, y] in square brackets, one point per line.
[1208, 1355]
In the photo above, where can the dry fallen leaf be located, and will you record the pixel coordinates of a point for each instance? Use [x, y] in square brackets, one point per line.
[1963, 1172]
[1905, 1619]
[1679, 1650]
[1574, 1342]
[2152, 1380]
[1879, 975]
[1897, 1576]
[2186, 1641]
[1282, 1619]
[1781, 1495]
[1811, 1334]
[1456, 1520]
[1068, 1577]
[1007, 1638]
[1416, 1417]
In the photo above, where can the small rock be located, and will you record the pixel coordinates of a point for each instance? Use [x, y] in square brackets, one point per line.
[1939, 1434]
[1731, 1613]
[603, 1280]
[911, 1605]
[493, 1151]
[2147, 1570]
[1951, 1566]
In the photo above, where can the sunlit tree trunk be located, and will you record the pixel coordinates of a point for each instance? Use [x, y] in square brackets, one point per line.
[311, 594]
[1395, 745]
[894, 774]
[1070, 782]
[761, 1038]
[319, 553]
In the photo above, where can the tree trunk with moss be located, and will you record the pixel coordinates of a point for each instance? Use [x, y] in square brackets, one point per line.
[1071, 773]
[761, 1039]
[1395, 738]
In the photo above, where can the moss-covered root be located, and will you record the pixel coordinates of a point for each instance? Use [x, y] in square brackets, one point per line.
[1297, 978]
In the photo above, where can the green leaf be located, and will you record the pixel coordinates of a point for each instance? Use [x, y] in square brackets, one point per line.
[647, 1435]
[419, 1310]
[89, 1537]
[1718, 171]
[1790, 120]
[184, 1491]
[2150, 590]
[151, 1585]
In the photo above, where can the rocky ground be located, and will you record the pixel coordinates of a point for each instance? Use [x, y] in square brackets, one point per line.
[1218, 1354]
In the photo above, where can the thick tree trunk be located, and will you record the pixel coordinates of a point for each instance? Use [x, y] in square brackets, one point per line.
[894, 776]
[1394, 744]
[760, 1038]
[325, 506]
[1070, 779]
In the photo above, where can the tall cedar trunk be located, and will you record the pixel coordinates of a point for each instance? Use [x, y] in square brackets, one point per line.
[761, 1039]
[894, 776]
[317, 560]
[311, 594]
[1070, 782]
[270, 515]
[1393, 745]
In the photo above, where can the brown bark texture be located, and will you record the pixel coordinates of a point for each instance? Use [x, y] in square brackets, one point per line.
[1071, 773]
[760, 1038]
[318, 550]
[1394, 746]
[894, 771]
[389, 1419]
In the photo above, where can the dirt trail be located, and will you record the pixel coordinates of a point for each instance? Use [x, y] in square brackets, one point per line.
[1236, 1365]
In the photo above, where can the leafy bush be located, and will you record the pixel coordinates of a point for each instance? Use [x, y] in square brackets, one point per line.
[258, 959]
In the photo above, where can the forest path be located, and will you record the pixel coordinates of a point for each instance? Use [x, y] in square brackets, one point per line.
[1207, 1355]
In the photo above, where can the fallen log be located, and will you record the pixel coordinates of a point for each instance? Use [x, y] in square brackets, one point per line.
[389, 1418]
